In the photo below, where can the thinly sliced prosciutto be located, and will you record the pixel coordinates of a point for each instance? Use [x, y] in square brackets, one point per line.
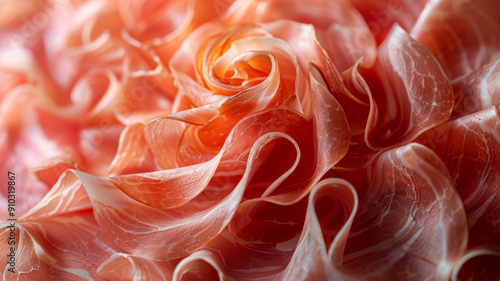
[175, 223]
[51, 248]
[477, 90]
[405, 93]
[135, 268]
[381, 15]
[478, 264]
[411, 224]
[475, 172]
[462, 35]
[250, 140]
[339, 26]
[284, 253]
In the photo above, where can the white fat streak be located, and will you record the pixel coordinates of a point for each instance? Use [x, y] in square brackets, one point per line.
[485, 97]
[477, 214]
[201, 255]
[284, 176]
[347, 225]
[468, 256]
[492, 129]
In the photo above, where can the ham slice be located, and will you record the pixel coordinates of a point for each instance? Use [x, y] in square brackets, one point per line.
[173, 215]
[201, 265]
[70, 247]
[411, 223]
[381, 15]
[252, 140]
[406, 72]
[330, 139]
[319, 252]
[477, 90]
[133, 154]
[371, 232]
[275, 76]
[65, 197]
[469, 147]
[152, 22]
[12, 14]
[148, 90]
[282, 254]
[178, 222]
[463, 36]
[339, 26]
[478, 264]
[407, 93]
[43, 135]
[24, 147]
[129, 267]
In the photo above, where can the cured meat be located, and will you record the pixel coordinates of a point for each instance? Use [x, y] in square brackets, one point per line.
[12, 14]
[148, 90]
[411, 223]
[69, 247]
[199, 266]
[250, 140]
[330, 142]
[120, 265]
[65, 197]
[318, 253]
[320, 249]
[158, 25]
[23, 144]
[475, 172]
[407, 72]
[478, 264]
[133, 154]
[274, 76]
[177, 223]
[406, 91]
[278, 256]
[381, 15]
[153, 24]
[463, 36]
[52, 137]
[340, 28]
[477, 90]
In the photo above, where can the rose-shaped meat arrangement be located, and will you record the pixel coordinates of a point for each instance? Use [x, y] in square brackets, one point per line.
[250, 140]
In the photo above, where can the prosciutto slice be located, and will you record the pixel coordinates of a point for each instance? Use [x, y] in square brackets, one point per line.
[475, 172]
[65, 197]
[120, 265]
[406, 93]
[375, 231]
[408, 73]
[176, 223]
[462, 35]
[22, 144]
[381, 15]
[69, 247]
[133, 154]
[320, 249]
[343, 140]
[339, 26]
[411, 223]
[478, 264]
[477, 90]
[148, 90]
[288, 254]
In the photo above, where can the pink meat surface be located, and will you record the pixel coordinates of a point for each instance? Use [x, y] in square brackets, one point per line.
[250, 140]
